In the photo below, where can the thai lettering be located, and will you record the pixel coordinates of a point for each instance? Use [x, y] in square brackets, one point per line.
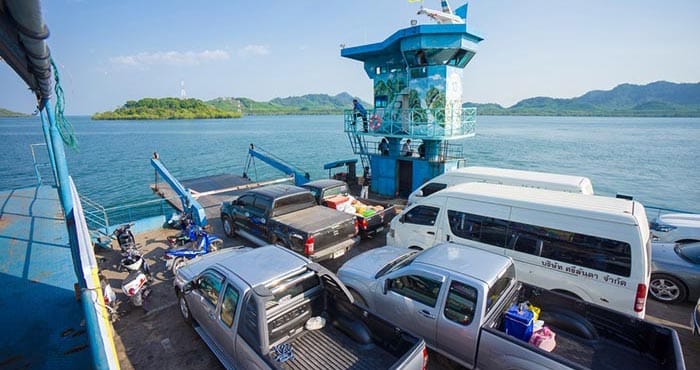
[615, 280]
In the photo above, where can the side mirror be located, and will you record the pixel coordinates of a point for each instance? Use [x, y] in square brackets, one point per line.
[386, 286]
[419, 193]
[402, 218]
[189, 286]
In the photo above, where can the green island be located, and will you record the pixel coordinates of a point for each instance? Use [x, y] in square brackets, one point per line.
[9, 113]
[309, 104]
[165, 108]
[657, 99]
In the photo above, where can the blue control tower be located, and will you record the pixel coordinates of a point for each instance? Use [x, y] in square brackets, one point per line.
[417, 76]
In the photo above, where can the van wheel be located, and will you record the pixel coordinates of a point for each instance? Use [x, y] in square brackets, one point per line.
[668, 289]
[229, 229]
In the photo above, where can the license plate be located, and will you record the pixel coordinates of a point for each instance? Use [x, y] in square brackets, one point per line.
[339, 253]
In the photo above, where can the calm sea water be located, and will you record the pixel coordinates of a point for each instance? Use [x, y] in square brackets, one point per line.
[653, 159]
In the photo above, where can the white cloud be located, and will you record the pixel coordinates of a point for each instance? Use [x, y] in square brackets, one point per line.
[253, 49]
[175, 58]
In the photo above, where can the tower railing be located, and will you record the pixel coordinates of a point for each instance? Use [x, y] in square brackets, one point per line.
[415, 123]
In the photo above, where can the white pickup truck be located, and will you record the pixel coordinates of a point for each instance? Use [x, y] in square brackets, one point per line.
[455, 297]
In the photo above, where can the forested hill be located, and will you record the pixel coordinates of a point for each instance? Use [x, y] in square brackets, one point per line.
[657, 99]
[165, 108]
[8, 113]
[306, 104]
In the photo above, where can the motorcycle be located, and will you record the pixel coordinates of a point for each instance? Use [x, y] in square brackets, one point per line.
[124, 236]
[136, 286]
[203, 244]
[189, 233]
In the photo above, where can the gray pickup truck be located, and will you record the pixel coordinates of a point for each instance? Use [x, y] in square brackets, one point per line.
[456, 297]
[373, 223]
[260, 309]
[289, 216]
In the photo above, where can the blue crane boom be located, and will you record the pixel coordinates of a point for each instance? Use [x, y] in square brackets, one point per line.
[300, 177]
[189, 204]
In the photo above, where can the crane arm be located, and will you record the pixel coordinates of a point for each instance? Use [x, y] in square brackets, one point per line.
[300, 177]
[189, 204]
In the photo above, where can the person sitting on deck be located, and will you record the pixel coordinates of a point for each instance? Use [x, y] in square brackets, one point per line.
[359, 110]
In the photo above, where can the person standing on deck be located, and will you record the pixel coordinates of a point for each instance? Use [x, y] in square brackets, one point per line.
[359, 110]
[384, 147]
[366, 182]
[406, 149]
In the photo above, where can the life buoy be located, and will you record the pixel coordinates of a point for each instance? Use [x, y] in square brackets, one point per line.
[375, 122]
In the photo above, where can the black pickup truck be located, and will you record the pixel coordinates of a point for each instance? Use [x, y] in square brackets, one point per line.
[289, 216]
[382, 212]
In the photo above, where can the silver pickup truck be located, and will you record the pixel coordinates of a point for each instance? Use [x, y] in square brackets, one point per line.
[270, 308]
[455, 297]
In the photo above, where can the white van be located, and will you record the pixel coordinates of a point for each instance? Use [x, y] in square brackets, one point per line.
[596, 248]
[532, 179]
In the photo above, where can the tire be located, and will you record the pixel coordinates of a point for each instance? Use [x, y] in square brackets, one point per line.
[567, 293]
[216, 245]
[229, 228]
[667, 289]
[359, 300]
[177, 264]
[184, 308]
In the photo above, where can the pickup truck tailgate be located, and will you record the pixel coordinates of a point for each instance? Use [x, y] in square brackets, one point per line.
[328, 226]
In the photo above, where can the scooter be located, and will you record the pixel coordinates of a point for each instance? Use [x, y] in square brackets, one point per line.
[136, 286]
[188, 234]
[204, 243]
[124, 236]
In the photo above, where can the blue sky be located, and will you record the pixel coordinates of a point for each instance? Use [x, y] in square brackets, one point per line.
[113, 51]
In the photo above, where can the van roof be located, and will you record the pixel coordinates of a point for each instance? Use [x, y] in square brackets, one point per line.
[581, 205]
[499, 174]
[477, 263]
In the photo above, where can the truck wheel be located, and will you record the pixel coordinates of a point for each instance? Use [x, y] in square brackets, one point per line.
[666, 288]
[184, 308]
[229, 229]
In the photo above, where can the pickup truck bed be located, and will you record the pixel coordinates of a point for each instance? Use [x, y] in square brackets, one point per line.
[328, 348]
[589, 337]
[313, 219]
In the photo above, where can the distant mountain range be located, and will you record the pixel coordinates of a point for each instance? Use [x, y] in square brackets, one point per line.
[306, 104]
[9, 113]
[657, 99]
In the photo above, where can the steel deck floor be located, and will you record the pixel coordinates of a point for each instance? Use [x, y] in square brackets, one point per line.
[42, 322]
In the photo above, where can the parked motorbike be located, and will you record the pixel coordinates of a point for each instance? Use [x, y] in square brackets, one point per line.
[189, 233]
[124, 236]
[203, 244]
[136, 286]
[179, 220]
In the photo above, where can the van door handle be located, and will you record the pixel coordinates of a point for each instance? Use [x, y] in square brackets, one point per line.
[427, 314]
[430, 232]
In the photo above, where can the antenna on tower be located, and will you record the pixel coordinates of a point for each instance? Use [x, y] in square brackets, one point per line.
[183, 93]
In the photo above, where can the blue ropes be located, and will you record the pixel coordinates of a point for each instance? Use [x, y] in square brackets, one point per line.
[65, 128]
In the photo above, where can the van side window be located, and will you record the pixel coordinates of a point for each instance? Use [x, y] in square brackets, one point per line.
[461, 303]
[417, 288]
[484, 229]
[589, 251]
[432, 187]
[422, 215]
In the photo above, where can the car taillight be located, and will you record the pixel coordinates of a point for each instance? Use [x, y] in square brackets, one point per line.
[641, 298]
[309, 245]
[425, 358]
[357, 226]
[363, 223]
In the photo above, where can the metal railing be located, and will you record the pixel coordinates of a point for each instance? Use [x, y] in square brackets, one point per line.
[101, 218]
[446, 150]
[418, 123]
